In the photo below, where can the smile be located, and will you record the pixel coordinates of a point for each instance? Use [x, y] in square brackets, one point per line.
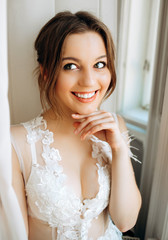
[85, 97]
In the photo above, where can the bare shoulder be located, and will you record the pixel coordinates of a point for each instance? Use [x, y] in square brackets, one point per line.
[17, 129]
[18, 133]
[122, 124]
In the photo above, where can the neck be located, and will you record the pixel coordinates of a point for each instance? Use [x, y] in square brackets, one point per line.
[63, 124]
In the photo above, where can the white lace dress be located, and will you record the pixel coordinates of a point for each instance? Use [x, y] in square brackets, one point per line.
[55, 212]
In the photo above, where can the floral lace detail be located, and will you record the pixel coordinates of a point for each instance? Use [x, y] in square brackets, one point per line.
[50, 200]
[52, 157]
[101, 150]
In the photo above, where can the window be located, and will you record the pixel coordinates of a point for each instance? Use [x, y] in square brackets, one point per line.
[137, 48]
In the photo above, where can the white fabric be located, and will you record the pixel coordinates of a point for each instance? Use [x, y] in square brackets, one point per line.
[55, 212]
[11, 222]
[53, 207]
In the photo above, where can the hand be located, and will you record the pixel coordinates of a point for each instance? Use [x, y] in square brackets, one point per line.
[99, 122]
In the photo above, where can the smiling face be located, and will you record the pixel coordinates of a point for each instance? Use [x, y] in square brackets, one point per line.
[84, 77]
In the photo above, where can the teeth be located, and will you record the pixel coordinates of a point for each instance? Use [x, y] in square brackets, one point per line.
[86, 95]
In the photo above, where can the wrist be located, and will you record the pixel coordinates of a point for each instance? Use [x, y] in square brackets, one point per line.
[121, 149]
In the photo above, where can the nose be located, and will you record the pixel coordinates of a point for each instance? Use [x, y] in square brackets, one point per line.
[87, 78]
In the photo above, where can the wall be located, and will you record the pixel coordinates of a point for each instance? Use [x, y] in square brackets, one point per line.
[25, 18]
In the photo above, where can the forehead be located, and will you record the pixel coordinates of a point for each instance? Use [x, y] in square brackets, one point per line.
[84, 45]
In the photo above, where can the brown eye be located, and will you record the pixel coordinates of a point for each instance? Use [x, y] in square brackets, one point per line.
[100, 65]
[70, 66]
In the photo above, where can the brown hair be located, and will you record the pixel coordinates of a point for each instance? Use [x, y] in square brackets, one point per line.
[49, 44]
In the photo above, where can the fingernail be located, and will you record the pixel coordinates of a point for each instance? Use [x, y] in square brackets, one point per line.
[74, 115]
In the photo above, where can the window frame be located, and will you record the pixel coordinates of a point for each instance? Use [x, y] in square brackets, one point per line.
[137, 115]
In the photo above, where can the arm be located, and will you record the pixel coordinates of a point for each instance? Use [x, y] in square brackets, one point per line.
[125, 199]
[18, 185]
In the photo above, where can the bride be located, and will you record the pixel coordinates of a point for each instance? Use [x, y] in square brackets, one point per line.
[72, 172]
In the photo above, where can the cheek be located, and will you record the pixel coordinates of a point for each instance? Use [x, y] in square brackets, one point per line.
[63, 85]
[106, 79]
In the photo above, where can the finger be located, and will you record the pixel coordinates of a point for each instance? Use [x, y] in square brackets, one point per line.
[102, 126]
[95, 123]
[90, 120]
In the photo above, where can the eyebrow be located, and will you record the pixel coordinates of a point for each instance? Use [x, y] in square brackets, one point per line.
[78, 60]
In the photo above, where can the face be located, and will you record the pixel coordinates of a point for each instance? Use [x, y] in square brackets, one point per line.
[84, 77]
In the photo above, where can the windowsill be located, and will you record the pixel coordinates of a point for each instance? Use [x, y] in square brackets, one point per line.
[137, 117]
[136, 121]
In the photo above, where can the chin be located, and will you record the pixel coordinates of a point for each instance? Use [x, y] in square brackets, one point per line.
[86, 111]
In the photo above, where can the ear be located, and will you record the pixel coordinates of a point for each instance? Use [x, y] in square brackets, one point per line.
[43, 74]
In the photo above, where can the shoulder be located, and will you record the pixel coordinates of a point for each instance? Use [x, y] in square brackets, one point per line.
[22, 128]
[17, 130]
[18, 140]
[20, 149]
[122, 127]
[121, 123]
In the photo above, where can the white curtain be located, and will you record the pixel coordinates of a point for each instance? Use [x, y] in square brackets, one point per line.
[11, 221]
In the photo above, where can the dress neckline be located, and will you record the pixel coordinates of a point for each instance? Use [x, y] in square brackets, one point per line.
[48, 151]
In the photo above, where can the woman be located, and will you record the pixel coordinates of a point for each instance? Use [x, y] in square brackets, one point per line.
[71, 167]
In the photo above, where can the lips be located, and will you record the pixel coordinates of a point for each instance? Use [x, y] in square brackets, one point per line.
[85, 96]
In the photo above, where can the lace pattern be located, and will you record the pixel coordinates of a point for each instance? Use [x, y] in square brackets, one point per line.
[50, 200]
